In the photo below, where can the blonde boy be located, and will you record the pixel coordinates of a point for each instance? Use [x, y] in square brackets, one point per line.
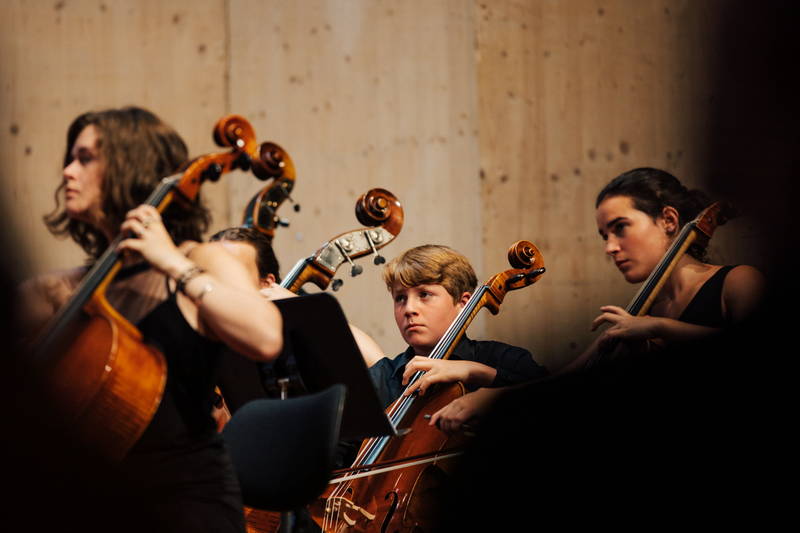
[430, 284]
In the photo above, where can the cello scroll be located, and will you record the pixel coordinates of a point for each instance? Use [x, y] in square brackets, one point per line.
[261, 211]
[527, 267]
[381, 212]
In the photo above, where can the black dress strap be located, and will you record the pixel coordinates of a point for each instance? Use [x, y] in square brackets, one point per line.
[705, 309]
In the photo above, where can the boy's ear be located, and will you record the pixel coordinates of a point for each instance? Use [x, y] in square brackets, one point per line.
[464, 299]
[267, 281]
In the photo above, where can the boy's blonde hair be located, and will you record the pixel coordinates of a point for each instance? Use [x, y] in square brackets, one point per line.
[432, 264]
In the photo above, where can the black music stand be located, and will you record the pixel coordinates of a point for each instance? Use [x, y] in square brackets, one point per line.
[316, 332]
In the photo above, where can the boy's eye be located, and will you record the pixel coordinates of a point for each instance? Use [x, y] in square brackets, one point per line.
[400, 298]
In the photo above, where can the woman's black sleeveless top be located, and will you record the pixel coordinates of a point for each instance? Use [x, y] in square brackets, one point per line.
[180, 467]
[705, 309]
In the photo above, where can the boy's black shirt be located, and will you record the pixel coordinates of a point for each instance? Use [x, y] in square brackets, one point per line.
[514, 365]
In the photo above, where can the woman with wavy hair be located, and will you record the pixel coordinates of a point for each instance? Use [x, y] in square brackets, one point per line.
[188, 299]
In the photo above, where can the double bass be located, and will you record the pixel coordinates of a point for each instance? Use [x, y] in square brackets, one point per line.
[382, 215]
[394, 482]
[261, 211]
[101, 381]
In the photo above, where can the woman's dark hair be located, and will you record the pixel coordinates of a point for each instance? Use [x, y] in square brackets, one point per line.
[138, 149]
[266, 261]
[651, 190]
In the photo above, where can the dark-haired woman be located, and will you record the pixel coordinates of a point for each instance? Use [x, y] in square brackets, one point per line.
[186, 298]
[638, 214]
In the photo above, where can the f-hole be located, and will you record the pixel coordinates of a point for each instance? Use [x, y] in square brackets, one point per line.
[390, 512]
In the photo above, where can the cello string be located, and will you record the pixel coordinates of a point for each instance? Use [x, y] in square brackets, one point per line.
[649, 284]
[374, 446]
[401, 408]
[94, 277]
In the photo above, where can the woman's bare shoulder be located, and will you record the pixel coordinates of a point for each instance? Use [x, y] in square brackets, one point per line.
[743, 291]
[745, 276]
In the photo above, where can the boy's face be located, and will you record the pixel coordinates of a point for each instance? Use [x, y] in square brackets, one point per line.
[423, 313]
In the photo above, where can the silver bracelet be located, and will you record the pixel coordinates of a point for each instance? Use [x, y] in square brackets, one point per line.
[187, 275]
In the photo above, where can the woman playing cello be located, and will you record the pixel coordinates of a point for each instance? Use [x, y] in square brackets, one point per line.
[187, 300]
[639, 213]
[655, 435]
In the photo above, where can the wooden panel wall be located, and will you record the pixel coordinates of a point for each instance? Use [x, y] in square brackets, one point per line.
[491, 120]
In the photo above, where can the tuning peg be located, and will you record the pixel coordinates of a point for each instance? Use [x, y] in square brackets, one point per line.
[281, 222]
[212, 172]
[336, 284]
[355, 269]
[243, 162]
[378, 258]
[296, 206]
[532, 274]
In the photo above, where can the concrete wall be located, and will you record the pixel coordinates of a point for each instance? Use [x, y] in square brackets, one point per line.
[492, 121]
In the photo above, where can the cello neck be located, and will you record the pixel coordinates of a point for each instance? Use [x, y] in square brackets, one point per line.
[293, 276]
[443, 349]
[698, 230]
[643, 300]
[100, 275]
[456, 330]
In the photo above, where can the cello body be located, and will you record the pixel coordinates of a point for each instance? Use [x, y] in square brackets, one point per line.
[406, 499]
[106, 385]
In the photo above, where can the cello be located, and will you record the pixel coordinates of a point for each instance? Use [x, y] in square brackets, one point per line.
[382, 215]
[393, 483]
[99, 378]
[695, 234]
